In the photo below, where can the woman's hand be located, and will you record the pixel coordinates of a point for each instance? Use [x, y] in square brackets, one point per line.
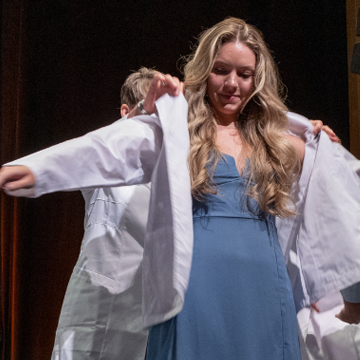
[318, 126]
[315, 307]
[161, 84]
[16, 177]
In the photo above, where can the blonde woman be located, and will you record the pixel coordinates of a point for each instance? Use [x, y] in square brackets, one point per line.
[239, 302]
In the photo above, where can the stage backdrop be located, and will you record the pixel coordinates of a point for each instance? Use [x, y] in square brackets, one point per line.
[63, 63]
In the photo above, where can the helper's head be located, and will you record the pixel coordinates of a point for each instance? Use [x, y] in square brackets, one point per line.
[135, 89]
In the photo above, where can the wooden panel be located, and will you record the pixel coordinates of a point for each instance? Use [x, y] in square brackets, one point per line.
[354, 79]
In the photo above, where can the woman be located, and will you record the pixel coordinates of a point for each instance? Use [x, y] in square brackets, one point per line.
[239, 302]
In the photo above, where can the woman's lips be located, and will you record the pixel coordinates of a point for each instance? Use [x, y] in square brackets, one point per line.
[231, 97]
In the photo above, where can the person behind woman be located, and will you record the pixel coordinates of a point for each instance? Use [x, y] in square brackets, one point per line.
[96, 301]
[239, 302]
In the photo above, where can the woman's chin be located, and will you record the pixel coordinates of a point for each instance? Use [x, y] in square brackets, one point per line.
[230, 109]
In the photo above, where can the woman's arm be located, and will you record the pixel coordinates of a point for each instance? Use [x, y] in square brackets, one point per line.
[318, 126]
[299, 145]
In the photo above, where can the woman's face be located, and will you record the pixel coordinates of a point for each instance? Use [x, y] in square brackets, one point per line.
[231, 80]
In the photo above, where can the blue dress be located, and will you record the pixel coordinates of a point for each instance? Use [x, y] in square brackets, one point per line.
[239, 302]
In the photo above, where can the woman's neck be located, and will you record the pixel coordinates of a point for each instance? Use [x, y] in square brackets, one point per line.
[227, 120]
[228, 139]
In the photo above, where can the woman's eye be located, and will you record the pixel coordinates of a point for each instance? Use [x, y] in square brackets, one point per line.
[246, 76]
[219, 71]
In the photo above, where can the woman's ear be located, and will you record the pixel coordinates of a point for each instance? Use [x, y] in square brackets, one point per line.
[124, 110]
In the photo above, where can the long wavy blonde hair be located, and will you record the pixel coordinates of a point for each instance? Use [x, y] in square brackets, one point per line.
[261, 124]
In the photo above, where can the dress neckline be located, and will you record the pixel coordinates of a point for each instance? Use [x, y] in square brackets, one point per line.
[230, 156]
[233, 162]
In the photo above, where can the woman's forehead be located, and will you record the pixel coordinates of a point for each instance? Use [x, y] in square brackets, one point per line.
[236, 53]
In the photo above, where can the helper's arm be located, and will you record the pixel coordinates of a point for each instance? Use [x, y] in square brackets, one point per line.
[122, 153]
[351, 311]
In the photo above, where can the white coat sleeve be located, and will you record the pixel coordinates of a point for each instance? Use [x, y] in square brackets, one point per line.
[322, 242]
[123, 153]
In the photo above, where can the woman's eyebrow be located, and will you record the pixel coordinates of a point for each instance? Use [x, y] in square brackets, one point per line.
[222, 63]
[219, 62]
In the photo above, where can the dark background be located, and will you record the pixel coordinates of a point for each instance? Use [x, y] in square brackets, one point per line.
[63, 63]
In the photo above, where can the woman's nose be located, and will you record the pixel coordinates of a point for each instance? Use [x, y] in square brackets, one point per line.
[231, 79]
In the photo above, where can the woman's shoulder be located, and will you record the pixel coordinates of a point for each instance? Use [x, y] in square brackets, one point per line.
[298, 143]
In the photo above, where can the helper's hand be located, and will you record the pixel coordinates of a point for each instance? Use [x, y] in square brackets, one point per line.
[350, 313]
[16, 177]
[318, 126]
[315, 307]
[333, 137]
[161, 84]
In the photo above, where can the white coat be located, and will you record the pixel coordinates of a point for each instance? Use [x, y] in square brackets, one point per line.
[325, 336]
[101, 313]
[168, 241]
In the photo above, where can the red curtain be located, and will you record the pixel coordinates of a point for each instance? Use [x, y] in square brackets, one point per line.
[11, 112]
[40, 239]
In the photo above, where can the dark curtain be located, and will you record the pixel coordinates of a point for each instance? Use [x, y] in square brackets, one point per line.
[11, 210]
[62, 66]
